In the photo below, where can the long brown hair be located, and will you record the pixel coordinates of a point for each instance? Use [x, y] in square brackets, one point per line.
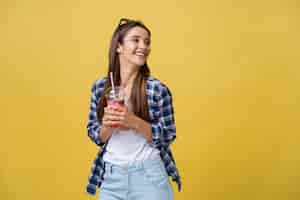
[138, 96]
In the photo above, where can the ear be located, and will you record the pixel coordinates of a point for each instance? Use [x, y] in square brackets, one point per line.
[119, 48]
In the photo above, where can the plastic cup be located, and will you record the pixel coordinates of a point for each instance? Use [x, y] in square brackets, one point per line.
[115, 97]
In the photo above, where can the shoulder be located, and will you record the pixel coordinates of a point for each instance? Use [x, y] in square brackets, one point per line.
[100, 82]
[157, 87]
[98, 85]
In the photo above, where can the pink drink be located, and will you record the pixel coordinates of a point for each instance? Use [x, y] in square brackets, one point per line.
[116, 102]
[115, 98]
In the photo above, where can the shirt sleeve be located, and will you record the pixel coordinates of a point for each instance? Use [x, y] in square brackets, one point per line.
[93, 125]
[163, 128]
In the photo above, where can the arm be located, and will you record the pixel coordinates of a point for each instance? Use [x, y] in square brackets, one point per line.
[94, 128]
[163, 126]
[121, 116]
[161, 132]
[142, 127]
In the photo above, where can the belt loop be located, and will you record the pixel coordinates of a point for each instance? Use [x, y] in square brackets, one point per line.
[143, 164]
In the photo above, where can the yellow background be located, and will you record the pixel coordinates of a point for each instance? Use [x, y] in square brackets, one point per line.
[233, 68]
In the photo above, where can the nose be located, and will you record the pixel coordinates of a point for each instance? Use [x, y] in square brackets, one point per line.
[143, 45]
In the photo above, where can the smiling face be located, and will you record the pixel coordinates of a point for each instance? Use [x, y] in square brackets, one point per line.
[135, 47]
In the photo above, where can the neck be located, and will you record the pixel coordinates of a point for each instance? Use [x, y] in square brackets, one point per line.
[128, 74]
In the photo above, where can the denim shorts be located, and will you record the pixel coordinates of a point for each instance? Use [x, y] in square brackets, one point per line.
[146, 180]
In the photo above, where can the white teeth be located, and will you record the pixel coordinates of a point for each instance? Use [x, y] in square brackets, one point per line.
[140, 54]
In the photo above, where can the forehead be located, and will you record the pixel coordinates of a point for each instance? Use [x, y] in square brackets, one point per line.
[137, 32]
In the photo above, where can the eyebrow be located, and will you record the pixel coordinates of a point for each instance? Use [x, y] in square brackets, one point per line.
[137, 36]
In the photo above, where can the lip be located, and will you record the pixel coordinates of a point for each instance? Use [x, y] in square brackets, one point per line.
[141, 53]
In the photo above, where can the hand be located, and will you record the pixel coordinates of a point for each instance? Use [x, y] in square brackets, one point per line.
[121, 117]
[118, 116]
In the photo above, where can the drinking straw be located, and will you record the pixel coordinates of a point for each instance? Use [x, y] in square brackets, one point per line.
[112, 83]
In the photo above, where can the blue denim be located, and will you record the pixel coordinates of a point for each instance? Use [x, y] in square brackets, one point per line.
[146, 180]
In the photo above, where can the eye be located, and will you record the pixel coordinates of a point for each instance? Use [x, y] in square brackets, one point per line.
[147, 42]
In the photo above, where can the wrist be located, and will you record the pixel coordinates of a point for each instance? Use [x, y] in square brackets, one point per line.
[105, 132]
[135, 123]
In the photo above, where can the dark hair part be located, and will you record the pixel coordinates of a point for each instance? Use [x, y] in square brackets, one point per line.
[138, 96]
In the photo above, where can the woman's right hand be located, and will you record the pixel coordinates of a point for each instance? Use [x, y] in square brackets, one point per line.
[112, 116]
[109, 119]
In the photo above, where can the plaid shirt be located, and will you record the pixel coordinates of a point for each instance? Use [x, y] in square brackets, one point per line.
[162, 124]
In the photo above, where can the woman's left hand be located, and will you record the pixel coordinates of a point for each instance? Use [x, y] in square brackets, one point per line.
[123, 118]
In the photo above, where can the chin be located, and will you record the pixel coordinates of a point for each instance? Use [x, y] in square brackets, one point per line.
[140, 63]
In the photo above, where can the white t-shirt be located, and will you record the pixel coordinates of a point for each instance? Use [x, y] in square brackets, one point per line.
[126, 147]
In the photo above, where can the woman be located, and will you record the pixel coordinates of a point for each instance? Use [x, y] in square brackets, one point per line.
[135, 159]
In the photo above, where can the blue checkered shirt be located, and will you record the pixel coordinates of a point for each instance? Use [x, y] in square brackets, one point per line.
[162, 124]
